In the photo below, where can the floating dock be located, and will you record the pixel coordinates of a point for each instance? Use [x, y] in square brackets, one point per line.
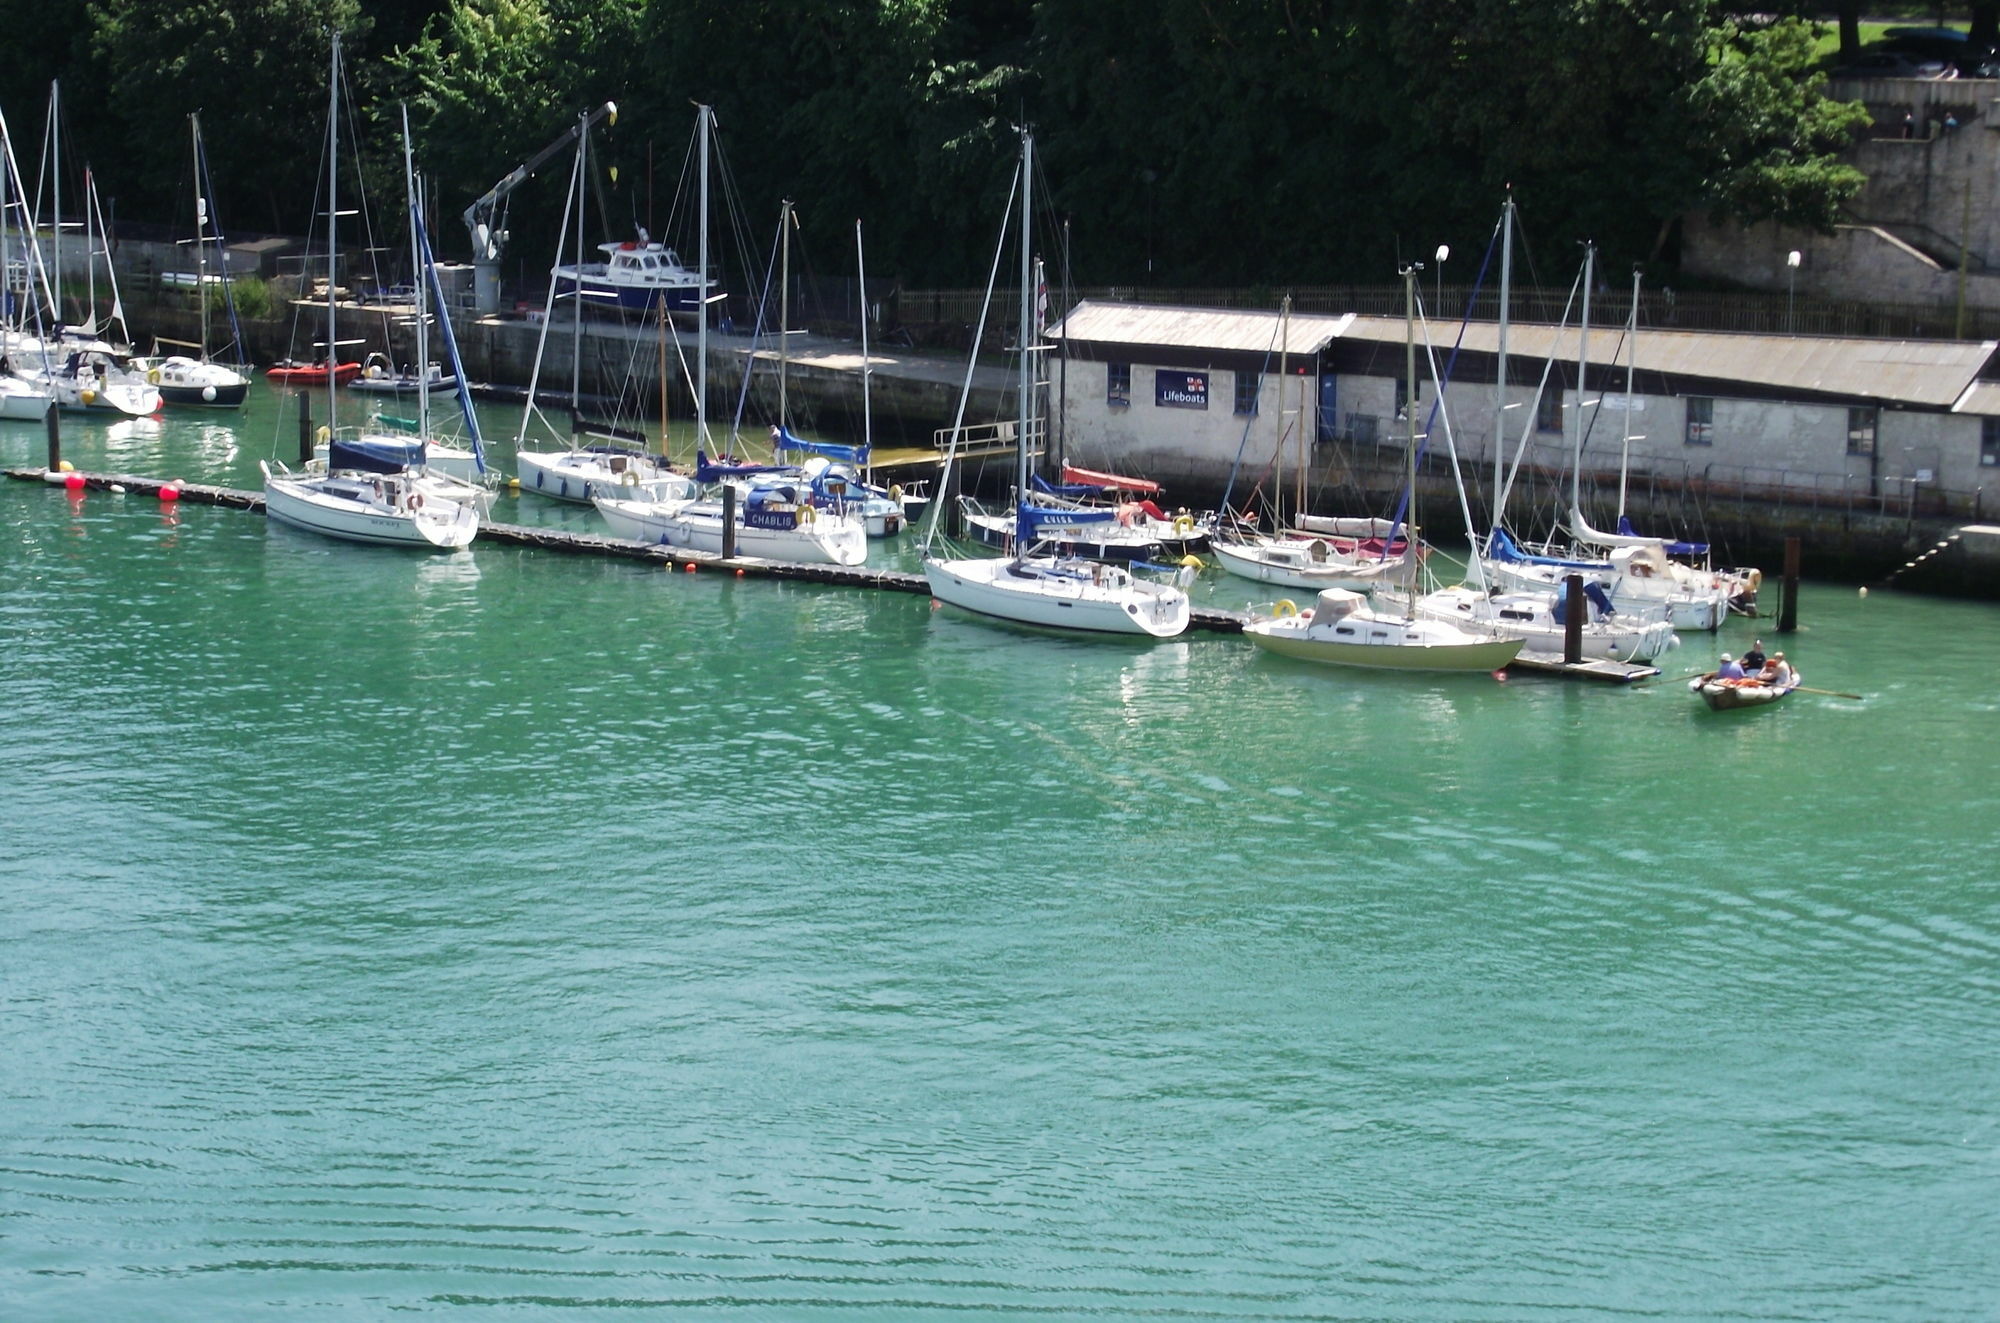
[1211, 619]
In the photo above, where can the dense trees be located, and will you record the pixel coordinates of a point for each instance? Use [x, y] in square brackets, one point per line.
[1189, 141]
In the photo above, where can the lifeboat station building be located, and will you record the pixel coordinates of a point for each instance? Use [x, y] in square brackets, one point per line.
[1187, 396]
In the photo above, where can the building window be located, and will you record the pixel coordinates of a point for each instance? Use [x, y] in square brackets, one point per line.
[1549, 411]
[1249, 385]
[1861, 430]
[1118, 385]
[1989, 442]
[1701, 421]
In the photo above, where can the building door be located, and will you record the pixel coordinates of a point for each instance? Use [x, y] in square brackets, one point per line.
[1329, 408]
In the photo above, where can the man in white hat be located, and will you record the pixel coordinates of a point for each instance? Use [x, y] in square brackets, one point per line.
[1730, 669]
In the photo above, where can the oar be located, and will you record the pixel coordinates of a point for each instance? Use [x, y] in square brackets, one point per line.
[1830, 693]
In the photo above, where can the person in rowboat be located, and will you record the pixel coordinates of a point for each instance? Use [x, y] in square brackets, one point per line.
[1753, 660]
[1777, 672]
[1729, 669]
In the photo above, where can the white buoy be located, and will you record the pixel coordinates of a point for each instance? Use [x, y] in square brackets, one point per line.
[117, 489]
[1864, 590]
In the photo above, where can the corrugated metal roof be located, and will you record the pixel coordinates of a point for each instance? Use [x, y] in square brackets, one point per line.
[1198, 328]
[1928, 372]
[1980, 397]
[1935, 373]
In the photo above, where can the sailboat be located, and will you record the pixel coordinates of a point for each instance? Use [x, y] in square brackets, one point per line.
[1059, 592]
[580, 472]
[21, 399]
[775, 520]
[1343, 630]
[355, 495]
[1537, 615]
[198, 380]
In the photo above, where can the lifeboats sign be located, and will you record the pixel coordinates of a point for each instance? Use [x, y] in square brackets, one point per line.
[1180, 390]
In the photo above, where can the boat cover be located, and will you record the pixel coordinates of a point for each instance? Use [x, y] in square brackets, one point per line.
[1094, 478]
[1502, 546]
[1625, 529]
[375, 454]
[784, 440]
[1599, 604]
[707, 470]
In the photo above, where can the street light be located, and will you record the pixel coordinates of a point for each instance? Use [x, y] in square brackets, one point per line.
[1791, 287]
[1444, 251]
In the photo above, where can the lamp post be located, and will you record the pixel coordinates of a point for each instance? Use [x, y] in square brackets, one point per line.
[1791, 287]
[1444, 251]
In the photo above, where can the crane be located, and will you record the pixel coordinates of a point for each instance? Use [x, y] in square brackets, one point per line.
[488, 236]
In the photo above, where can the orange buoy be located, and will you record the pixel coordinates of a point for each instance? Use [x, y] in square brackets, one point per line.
[690, 568]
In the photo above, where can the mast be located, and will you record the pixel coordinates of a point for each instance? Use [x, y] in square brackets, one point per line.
[1410, 443]
[418, 285]
[1500, 365]
[576, 299]
[867, 420]
[784, 310]
[200, 233]
[1284, 373]
[1631, 366]
[1582, 363]
[332, 212]
[1024, 387]
[55, 178]
[704, 118]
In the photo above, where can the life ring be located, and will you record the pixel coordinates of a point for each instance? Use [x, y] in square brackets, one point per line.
[807, 516]
[895, 493]
[152, 376]
[630, 477]
[416, 502]
[1756, 578]
[1284, 607]
[1183, 523]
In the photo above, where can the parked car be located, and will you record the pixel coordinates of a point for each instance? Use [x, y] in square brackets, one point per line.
[1896, 64]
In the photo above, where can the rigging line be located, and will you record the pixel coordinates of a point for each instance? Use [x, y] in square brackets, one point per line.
[1451, 365]
[1534, 406]
[971, 362]
[530, 409]
[1270, 349]
[756, 337]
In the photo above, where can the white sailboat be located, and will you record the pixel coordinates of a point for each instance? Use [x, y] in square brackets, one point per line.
[1343, 630]
[197, 380]
[353, 495]
[578, 472]
[1537, 615]
[1052, 591]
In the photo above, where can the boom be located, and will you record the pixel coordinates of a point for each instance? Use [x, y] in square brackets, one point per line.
[490, 238]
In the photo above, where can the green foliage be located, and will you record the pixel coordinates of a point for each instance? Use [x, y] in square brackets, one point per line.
[1196, 142]
[253, 295]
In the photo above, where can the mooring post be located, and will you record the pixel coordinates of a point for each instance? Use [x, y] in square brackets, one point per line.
[55, 438]
[1573, 609]
[306, 431]
[728, 521]
[1788, 606]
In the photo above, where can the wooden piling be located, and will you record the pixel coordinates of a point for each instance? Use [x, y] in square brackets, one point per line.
[55, 438]
[728, 521]
[1788, 605]
[306, 429]
[1574, 608]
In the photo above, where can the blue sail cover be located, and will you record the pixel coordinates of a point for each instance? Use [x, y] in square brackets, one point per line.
[1041, 484]
[784, 440]
[1597, 604]
[379, 454]
[1501, 546]
[1625, 529]
[1032, 519]
[706, 470]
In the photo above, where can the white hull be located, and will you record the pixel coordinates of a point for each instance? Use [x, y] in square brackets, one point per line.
[584, 476]
[1073, 595]
[1308, 563]
[189, 381]
[1530, 617]
[828, 539]
[362, 510]
[23, 401]
[1356, 636]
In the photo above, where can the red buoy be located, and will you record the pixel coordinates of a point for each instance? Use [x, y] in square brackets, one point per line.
[73, 481]
[170, 493]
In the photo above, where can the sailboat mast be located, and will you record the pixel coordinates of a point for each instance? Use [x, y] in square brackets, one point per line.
[1582, 364]
[55, 179]
[867, 420]
[332, 222]
[1500, 364]
[417, 285]
[704, 117]
[1284, 374]
[1631, 366]
[1410, 410]
[1024, 388]
[784, 309]
[200, 234]
[576, 299]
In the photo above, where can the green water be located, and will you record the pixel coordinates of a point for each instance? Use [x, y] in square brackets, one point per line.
[515, 935]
